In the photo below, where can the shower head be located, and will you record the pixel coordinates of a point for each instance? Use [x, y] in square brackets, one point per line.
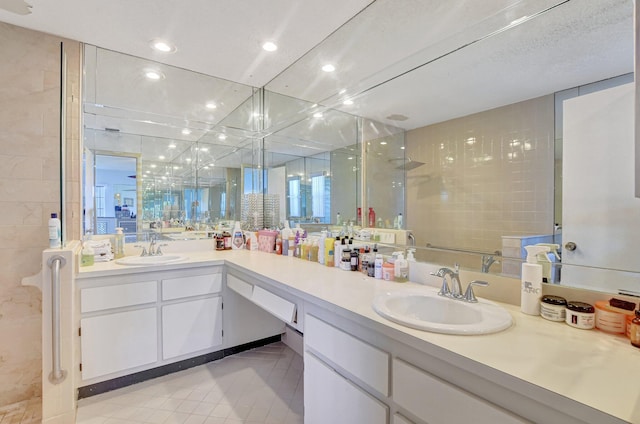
[406, 164]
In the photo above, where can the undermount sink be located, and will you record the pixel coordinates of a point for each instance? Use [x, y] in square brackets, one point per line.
[438, 314]
[151, 260]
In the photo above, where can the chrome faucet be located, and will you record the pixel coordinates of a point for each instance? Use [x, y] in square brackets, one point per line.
[152, 246]
[487, 261]
[455, 290]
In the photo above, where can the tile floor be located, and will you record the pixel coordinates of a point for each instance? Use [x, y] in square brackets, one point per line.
[259, 386]
[26, 412]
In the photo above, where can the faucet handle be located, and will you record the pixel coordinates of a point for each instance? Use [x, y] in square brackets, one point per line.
[469, 295]
[144, 249]
[444, 290]
[441, 272]
[159, 251]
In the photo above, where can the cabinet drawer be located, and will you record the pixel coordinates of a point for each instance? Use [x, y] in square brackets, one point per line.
[100, 298]
[243, 288]
[274, 304]
[436, 401]
[176, 288]
[364, 361]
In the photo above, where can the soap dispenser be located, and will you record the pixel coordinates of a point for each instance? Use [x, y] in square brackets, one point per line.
[531, 288]
[401, 268]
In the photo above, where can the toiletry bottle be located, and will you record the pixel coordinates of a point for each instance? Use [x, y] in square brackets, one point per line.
[552, 257]
[371, 261]
[378, 262]
[321, 247]
[337, 251]
[54, 231]
[313, 251]
[118, 248]
[401, 268]
[238, 240]
[372, 218]
[338, 219]
[355, 258]
[399, 221]
[279, 244]
[359, 217]
[345, 264]
[328, 251]
[531, 288]
[87, 256]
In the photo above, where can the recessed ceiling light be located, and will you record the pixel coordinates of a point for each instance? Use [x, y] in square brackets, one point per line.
[344, 90]
[172, 146]
[317, 115]
[383, 142]
[204, 149]
[222, 137]
[162, 46]
[153, 75]
[348, 102]
[328, 68]
[211, 105]
[270, 46]
[188, 159]
[186, 131]
[161, 157]
[153, 165]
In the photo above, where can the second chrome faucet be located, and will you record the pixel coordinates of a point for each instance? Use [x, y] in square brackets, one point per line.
[455, 290]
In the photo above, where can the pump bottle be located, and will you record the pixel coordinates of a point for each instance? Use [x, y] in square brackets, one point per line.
[531, 288]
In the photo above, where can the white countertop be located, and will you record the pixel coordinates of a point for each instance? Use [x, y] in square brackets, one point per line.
[591, 367]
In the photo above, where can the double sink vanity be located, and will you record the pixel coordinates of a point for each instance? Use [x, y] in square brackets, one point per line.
[367, 356]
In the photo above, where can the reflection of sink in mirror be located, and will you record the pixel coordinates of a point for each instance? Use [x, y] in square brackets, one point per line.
[151, 260]
[428, 311]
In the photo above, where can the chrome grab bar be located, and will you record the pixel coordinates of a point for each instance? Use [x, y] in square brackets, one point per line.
[57, 374]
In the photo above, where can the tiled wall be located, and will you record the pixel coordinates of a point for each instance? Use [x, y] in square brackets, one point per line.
[29, 191]
[485, 176]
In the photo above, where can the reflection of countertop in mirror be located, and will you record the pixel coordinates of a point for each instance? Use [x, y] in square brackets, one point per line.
[589, 367]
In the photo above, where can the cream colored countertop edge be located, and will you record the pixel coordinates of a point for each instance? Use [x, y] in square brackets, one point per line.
[591, 367]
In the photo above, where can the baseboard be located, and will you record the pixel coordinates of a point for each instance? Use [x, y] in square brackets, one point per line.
[139, 377]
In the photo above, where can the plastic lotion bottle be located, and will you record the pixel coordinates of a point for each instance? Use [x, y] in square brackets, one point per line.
[401, 268]
[119, 244]
[377, 273]
[54, 231]
[531, 289]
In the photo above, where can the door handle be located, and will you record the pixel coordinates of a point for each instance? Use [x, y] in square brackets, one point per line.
[570, 246]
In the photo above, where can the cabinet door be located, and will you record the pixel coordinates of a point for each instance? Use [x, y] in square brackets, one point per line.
[191, 326]
[330, 398]
[117, 342]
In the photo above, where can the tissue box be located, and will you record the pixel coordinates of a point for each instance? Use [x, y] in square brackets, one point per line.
[267, 240]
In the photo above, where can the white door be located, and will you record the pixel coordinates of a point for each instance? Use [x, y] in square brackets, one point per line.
[191, 327]
[601, 215]
[117, 342]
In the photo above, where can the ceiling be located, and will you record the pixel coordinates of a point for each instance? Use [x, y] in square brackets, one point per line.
[404, 63]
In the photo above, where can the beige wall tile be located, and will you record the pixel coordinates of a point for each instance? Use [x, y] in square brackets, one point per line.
[29, 192]
[489, 174]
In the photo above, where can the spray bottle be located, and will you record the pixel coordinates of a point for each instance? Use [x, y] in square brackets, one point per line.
[237, 240]
[550, 272]
[531, 288]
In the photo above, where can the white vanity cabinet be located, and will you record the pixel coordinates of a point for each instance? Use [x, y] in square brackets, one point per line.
[142, 320]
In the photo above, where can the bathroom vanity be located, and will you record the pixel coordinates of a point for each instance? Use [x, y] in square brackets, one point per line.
[366, 368]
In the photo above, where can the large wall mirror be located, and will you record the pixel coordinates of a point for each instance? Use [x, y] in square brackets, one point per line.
[463, 119]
